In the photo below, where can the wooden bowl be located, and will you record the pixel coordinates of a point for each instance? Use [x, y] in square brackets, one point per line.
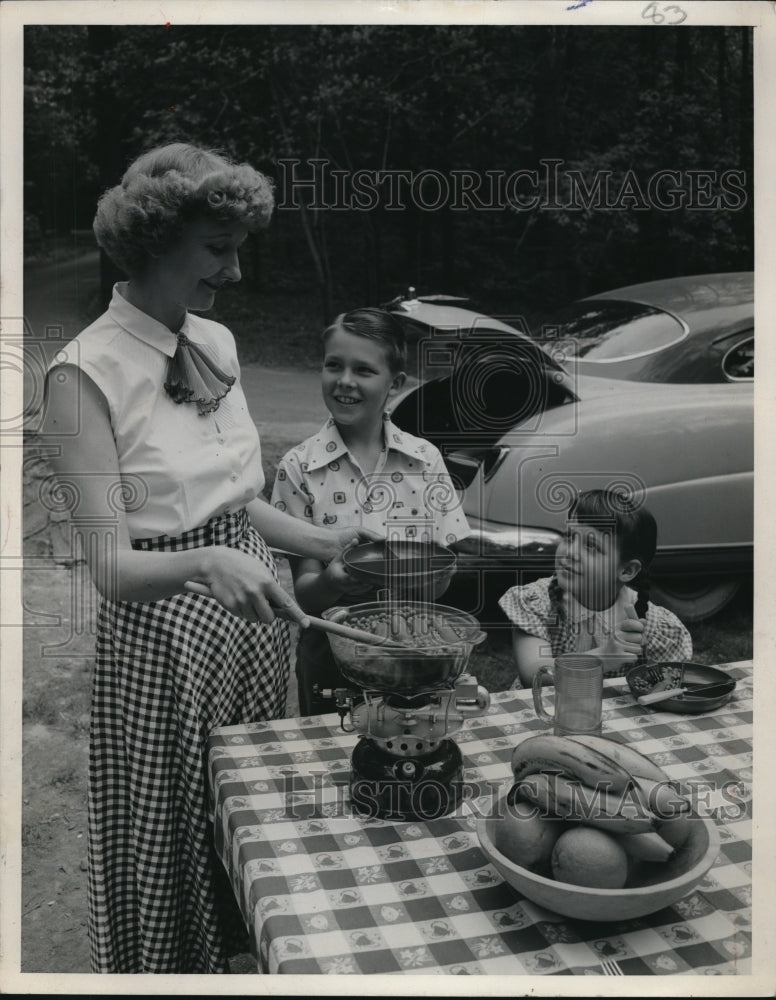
[650, 888]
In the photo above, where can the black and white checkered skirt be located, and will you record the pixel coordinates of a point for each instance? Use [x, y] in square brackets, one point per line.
[166, 673]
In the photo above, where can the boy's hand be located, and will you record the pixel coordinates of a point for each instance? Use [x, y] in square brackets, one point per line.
[356, 536]
[338, 541]
[341, 581]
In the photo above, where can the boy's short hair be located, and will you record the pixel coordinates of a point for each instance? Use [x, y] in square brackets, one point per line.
[164, 189]
[375, 324]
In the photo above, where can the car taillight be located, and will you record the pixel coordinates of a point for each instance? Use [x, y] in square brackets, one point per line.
[463, 466]
[491, 461]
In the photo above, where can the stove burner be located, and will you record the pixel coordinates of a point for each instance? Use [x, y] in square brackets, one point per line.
[411, 726]
[409, 788]
[408, 702]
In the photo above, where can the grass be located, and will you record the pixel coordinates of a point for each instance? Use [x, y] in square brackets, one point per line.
[727, 636]
[271, 453]
[68, 776]
[48, 708]
[34, 833]
[40, 707]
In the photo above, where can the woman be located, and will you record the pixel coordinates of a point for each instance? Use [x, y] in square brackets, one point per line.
[155, 443]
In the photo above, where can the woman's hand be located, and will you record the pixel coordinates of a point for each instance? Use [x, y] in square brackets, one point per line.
[245, 586]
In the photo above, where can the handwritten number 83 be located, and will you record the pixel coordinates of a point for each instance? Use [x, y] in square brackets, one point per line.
[658, 14]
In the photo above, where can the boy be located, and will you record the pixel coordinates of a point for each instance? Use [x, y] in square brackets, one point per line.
[359, 469]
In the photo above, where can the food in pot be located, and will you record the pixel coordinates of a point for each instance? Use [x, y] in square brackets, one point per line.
[411, 626]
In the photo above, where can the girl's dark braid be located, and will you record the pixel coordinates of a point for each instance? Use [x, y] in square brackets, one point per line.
[642, 592]
[557, 612]
[555, 591]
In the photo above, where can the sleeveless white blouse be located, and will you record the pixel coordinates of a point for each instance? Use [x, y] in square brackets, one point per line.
[179, 468]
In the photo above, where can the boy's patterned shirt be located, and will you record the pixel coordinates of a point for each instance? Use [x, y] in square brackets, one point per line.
[409, 495]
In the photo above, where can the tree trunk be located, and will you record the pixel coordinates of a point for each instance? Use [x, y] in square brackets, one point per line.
[682, 70]
[722, 75]
[314, 230]
[108, 128]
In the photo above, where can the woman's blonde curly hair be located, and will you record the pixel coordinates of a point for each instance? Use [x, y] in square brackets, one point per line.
[169, 186]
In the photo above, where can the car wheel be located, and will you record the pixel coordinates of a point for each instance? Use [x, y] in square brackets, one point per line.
[695, 598]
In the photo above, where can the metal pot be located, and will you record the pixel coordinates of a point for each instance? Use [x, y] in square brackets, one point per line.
[429, 663]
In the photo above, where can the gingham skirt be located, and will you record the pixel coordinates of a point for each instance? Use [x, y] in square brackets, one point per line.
[166, 673]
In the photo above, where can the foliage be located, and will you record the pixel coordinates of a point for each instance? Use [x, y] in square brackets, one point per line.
[470, 98]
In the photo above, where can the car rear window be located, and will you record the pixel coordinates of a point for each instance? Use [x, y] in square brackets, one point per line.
[610, 330]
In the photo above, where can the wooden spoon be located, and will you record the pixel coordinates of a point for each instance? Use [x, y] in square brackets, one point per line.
[310, 621]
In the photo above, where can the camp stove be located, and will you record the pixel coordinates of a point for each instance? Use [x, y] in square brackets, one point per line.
[405, 703]
[405, 766]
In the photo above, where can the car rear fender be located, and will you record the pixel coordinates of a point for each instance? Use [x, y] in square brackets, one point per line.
[690, 454]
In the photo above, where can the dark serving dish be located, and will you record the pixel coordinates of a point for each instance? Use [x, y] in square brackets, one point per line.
[406, 567]
[682, 674]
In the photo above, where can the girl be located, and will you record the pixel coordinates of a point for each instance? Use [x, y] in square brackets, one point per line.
[598, 599]
[151, 434]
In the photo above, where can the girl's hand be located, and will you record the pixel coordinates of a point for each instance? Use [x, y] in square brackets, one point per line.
[626, 643]
[245, 586]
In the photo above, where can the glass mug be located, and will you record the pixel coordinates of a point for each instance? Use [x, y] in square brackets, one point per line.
[578, 679]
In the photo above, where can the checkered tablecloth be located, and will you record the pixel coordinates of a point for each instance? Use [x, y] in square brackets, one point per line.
[324, 891]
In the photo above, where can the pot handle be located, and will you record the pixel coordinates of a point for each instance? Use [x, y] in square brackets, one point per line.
[335, 614]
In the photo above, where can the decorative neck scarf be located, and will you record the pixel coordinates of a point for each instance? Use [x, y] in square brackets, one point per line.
[192, 377]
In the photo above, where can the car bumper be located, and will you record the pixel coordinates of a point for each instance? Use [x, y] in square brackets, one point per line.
[506, 548]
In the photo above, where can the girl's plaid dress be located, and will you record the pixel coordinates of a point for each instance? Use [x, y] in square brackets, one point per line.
[576, 629]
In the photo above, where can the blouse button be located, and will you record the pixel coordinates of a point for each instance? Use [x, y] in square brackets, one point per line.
[234, 477]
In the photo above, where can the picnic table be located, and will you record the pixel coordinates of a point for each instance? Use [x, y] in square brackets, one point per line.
[323, 890]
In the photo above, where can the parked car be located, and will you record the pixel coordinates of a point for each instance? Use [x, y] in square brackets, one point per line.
[648, 387]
